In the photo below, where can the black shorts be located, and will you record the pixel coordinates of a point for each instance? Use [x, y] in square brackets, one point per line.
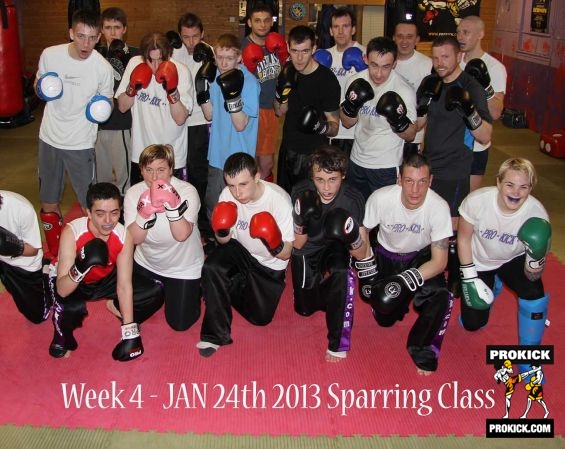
[480, 159]
[453, 191]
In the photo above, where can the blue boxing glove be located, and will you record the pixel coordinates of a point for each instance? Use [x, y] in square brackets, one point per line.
[353, 57]
[98, 109]
[49, 86]
[323, 57]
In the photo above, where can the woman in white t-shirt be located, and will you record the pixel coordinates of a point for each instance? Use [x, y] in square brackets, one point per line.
[505, 232]
[161, 213]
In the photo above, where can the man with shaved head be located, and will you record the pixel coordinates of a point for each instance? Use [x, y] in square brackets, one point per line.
[492, 76]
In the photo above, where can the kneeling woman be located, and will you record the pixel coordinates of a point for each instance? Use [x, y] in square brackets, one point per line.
[504, 231]
[161, 213]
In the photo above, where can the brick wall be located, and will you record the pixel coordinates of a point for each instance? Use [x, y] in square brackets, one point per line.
[44, 22]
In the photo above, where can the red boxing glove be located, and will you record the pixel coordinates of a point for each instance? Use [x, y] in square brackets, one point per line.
[146, 212]
[224, 217]
[275, 43]
[263, 226]
[163, 194]
[139, 79]
[168, 76]
[251, 56]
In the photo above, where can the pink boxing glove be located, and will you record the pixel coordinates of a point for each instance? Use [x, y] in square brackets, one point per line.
[146, 212]
[164, 195]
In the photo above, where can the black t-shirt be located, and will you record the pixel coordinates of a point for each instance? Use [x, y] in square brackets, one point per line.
[448, 144]
[119, 120]
[319, 89]
[348, 198]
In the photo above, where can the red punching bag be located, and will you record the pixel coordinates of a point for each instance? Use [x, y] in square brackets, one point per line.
[11, 90]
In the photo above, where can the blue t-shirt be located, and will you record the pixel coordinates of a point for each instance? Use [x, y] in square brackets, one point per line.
[224, 139]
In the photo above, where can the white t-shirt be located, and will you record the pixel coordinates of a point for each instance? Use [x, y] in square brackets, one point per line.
[181, 55]
[495, 240]
[160, 252]
[497, 73]
[405, 230]
[277, 202]
[18, 216]
[64, 124]
[152, 122]
[414, 70]
[342, 75]
[376, 145]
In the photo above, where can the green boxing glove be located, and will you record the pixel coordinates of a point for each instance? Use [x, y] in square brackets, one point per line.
[535, 234]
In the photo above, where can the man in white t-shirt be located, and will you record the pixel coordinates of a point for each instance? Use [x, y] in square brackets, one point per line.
[414, 226]
[192, 53]
[491, 75]
[346, 60]
[21, 256]
[412, 65]
[77, 84]
[383, 106]
[254, 228]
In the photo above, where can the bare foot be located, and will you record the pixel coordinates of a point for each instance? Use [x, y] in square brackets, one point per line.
[423, 372]
[333, 359]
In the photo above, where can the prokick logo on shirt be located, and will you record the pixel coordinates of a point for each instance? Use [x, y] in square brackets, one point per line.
[519, 372]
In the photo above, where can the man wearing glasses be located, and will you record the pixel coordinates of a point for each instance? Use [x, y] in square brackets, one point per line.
[307, 94]
[77, 85]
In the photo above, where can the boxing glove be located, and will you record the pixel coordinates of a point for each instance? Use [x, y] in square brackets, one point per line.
[476, 294]
[286, 82]
[93, 253]
[367, 272]
[264, 227]
[204, 77]
[49, 86]
[203, 52]
[251, 56]
[428, 91]
[356, 95]
[163, 194]
[168, 76]
[224, 217]
[392, 107]
[311, 121]
[307, 207]
[146, 212]
[340, 225]
[392, 293]
[231, 85]
[478, 70]
[98, 109]
[535, 234]
[10, 244]
[118, 56]
[459, 99]
[323, 56]
[275, 43]
[174, 39]
[131, 346]
[353, 58]
[139, 79]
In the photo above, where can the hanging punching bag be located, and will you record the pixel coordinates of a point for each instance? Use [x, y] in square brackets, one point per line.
[11, 91]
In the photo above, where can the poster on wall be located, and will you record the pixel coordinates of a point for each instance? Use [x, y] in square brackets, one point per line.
[436, 18]
[540, 15]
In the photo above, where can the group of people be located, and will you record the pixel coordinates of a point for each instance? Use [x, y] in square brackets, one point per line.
[378, 152]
